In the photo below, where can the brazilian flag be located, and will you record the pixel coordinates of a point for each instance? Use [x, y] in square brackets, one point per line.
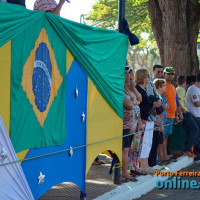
[53, 72]
[38, 89]
[38, 48]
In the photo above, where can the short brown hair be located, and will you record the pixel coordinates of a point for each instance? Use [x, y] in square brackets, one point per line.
[157, 66]
[140, 75]
[181, 80]
[159, 83]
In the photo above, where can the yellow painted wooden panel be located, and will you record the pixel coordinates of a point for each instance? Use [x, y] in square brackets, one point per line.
[102, 123]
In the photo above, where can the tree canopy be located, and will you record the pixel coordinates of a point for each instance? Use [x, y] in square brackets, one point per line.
[106, 11]
[140, 21]
[137, 16]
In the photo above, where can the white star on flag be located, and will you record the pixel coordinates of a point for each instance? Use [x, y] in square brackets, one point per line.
[41, 178]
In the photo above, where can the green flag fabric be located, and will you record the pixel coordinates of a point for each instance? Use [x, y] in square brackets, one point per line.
[39, 42]
[101, 53]
[32, 82]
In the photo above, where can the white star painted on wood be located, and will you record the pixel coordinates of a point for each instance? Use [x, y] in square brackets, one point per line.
[71, 151]
[83, 117]
[76, 92]
[4, 154]
[41, 178]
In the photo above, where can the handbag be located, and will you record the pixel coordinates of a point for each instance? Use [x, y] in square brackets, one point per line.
[159, 110]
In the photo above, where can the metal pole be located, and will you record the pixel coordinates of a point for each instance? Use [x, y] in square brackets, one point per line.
[82, 19]
[121, 13]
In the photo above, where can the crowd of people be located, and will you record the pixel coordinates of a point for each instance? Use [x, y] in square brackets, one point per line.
[152, 106]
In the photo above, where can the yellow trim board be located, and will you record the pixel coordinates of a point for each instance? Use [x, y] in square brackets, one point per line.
[21, 155]
[5, 81]
[70, 59]
[102, 123]
[5, 73]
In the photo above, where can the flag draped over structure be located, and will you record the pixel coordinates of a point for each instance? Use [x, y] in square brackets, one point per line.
[61, 86]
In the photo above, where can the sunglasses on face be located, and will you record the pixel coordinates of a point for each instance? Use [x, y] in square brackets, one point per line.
[128, 69]
[170, 74]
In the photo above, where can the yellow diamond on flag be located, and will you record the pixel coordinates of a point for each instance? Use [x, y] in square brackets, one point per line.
[41, 77]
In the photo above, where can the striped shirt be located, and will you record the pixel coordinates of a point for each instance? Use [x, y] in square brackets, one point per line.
[45, 5]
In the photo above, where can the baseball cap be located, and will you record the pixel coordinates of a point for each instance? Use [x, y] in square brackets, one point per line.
[169, 70]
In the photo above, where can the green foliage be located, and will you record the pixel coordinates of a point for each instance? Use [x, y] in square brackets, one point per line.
[106, 11]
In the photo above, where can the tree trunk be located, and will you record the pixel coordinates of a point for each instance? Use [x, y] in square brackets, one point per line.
[175, 24]
[193, 16]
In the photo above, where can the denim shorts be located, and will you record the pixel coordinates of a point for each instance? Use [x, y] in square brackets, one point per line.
[169, 128]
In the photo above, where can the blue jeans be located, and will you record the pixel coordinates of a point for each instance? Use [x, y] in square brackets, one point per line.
[192, 125]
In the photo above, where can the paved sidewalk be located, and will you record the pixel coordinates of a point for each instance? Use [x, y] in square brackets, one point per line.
[98, 183]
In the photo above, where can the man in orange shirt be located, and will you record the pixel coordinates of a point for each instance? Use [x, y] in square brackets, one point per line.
[170, 95]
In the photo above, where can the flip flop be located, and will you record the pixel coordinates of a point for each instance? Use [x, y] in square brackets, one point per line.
[136, 173]
[168, 161]
[173, 159]
[161, 162]
[134, 180]
[128, 179]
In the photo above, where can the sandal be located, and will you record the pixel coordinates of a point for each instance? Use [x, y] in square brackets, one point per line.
[136, 173]
[173, 159]
[168, 161]
[128, 179]
[161, 162]
[148, 170]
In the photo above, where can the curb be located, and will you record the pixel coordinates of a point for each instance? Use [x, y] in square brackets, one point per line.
[145, 184]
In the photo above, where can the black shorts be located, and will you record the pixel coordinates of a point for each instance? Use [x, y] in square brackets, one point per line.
[127, 140]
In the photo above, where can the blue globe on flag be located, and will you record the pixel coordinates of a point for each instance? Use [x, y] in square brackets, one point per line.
[42, 77]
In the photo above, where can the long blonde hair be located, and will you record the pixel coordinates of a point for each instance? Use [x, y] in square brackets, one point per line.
[140, 75]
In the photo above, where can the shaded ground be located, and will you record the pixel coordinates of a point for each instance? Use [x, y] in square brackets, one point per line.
[98, 183]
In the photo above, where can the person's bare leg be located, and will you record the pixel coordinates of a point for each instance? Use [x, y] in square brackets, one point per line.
[125, 164]
[144, 163]
[165, 156]
[160, 152]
